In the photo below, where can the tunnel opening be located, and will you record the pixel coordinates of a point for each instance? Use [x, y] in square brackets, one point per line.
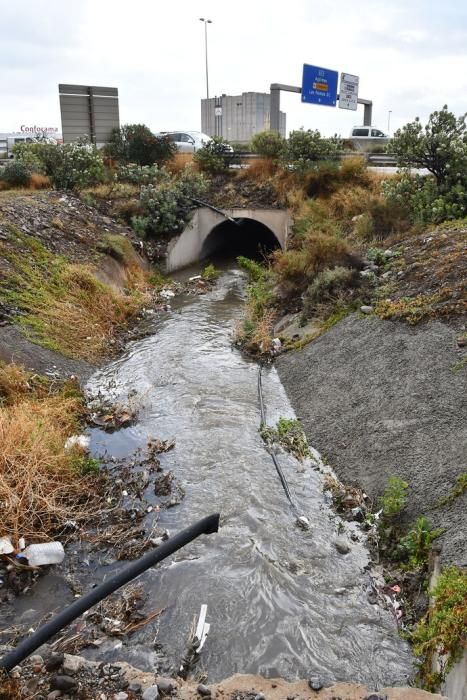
[247, 237]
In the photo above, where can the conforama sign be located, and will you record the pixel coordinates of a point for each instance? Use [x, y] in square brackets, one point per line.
[39, 129]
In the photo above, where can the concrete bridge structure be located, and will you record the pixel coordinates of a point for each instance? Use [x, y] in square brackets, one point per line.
[209, 232]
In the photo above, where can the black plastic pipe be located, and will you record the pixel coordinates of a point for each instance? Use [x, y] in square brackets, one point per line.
[206, 526]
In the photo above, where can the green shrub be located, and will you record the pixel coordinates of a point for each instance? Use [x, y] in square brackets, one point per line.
[210, 274]
[440, 146]
[442, 633]
[140, 225]
[426, 200]
[29, 154]
[416, 545]
[138, 174]
[135, 143]
[214, 157]
[268, 144]
[328, 286]
[16, 174]
[394, 496]
[306, 147]
[71, 166]
[290, 434]
[168, 203]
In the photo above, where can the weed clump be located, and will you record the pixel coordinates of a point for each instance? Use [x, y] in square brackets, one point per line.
[442, 633]
[289, 433]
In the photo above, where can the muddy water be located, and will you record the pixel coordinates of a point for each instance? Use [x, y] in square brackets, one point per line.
[269, 586]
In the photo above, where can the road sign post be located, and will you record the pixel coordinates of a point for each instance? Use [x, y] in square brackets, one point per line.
[348, 91]
[319, 85]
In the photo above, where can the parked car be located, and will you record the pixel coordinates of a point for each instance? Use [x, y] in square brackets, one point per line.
[187, 141]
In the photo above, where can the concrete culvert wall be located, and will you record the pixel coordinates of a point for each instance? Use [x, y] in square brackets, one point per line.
[210, 233]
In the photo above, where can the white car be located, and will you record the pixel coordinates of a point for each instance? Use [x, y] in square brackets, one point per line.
[187, 141]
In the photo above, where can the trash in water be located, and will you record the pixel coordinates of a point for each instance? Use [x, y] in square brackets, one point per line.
[44, 554]
[5, 546]
[303, 522]
[167, 293]
[78, 441]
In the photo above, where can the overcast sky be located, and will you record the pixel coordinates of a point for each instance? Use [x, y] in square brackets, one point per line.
[410, 55]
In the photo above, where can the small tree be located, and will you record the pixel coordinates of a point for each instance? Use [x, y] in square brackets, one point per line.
[268, 144]
[214, 157]
[305, 147]
[135, 143]
[440, 146]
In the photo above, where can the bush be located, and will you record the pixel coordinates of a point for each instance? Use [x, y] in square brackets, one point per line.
[394, 496]
[214, 157]
[268, 144]
[441, 633]
[317, 252]
[135, 143]
[426, 200]
[441, 146]
[416, 545]
[29, 154]
[327, 287]
[303, 148]
[73, 165]
[138, 174]
[168, 203]
[16, 174]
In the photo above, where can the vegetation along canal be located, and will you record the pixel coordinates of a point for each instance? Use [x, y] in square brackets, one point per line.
[282, 601]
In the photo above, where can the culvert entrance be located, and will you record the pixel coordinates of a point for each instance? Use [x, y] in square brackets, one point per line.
[247, 237]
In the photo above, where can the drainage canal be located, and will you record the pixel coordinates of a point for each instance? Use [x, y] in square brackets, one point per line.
[282, 601]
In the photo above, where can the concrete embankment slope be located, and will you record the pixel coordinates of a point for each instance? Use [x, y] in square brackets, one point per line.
[380, 398]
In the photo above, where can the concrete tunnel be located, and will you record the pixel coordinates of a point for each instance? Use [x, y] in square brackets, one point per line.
[210, 234]
[247, 237]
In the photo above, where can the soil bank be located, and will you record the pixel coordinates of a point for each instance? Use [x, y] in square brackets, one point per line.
[381, 398]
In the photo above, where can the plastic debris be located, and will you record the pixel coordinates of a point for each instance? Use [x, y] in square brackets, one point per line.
[5, 546]
[44, 554]
[167, 293]
[78, 441]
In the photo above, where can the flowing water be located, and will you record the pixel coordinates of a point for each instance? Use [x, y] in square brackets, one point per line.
[270, 587]
[281, 601]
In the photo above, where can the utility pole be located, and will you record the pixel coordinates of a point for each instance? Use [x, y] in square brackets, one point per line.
[206, 22]
[389, 121]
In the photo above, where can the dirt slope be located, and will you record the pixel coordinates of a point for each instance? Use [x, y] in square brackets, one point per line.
[380, 398]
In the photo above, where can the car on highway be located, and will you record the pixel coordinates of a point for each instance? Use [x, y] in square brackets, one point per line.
[368, 138]
[187, 141]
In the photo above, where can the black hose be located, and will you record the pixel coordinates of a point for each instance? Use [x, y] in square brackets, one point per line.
[284, 483]
[218, 211]
[206, 526]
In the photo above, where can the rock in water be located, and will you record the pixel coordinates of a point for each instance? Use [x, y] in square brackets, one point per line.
[342, 546]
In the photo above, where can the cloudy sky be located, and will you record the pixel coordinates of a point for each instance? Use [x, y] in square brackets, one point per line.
[411, 56]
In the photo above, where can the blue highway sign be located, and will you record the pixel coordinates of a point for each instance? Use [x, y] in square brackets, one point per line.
[319, 85]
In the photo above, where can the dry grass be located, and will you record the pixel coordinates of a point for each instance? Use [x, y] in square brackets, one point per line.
[41, 486]
[318, 251]
[259, 169]
[39, 182]
[178, 163]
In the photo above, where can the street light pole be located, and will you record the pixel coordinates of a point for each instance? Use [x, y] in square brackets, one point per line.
[389, 121]
[206, 22]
